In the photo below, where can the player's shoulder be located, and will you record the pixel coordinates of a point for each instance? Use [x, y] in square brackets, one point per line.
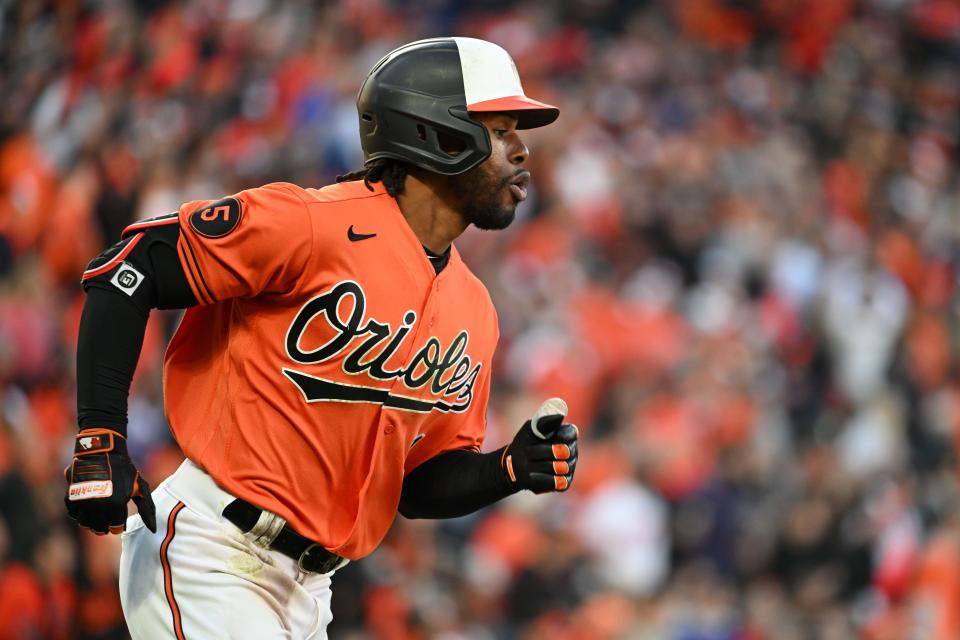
[277, 191]
[344, 191]
[273, 198]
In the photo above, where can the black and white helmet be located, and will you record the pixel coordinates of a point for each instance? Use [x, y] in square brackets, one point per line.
[414, 105]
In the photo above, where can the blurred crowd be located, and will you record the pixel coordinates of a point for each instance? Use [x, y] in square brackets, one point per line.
[739, 266]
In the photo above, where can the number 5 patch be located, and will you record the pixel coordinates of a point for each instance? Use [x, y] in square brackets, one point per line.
[217, 219]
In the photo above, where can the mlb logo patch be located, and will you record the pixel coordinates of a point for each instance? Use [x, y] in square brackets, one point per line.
[126, 278]
[90, 442]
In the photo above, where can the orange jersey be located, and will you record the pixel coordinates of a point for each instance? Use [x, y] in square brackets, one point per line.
[327, 359]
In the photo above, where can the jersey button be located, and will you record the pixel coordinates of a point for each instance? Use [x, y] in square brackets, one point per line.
[390, 428]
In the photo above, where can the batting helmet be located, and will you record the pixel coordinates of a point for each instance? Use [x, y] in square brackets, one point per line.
[414, 104]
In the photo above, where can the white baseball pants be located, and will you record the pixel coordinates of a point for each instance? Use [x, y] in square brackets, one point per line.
[199, 577]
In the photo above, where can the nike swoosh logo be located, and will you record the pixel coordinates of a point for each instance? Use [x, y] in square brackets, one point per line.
[354, 236]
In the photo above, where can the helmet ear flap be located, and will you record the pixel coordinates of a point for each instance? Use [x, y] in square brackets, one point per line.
[449, 143]
[432, 133]
[473, 140]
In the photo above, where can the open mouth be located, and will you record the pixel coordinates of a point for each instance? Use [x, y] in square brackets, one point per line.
[518, 185]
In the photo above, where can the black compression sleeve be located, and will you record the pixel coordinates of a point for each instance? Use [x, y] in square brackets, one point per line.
[108, 347]
[114, 321]
[454, 484]
[157, 255]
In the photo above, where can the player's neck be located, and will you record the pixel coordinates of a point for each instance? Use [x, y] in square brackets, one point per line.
[429, 213]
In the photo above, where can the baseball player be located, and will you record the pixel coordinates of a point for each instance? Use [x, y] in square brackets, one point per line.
[332, 367]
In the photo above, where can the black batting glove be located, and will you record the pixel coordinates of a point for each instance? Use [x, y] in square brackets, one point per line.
[543, 454]
[101, 480]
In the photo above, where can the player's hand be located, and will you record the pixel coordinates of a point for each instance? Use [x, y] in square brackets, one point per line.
[543, 454]
[101, 480]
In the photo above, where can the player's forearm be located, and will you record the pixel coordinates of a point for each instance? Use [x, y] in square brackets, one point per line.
[115, 318]
[108, 347]
[454, 484]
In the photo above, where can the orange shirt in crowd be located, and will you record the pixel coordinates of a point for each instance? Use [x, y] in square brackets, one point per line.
[936, 595]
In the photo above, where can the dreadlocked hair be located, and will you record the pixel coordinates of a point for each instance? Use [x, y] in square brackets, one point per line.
[391, 173]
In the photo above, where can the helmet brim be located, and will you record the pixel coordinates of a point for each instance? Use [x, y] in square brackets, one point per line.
[530, 113]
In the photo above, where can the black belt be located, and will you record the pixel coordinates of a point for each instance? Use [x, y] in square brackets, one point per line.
[309, 555]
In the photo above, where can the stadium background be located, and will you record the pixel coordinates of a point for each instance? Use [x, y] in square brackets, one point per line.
[739, 266]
